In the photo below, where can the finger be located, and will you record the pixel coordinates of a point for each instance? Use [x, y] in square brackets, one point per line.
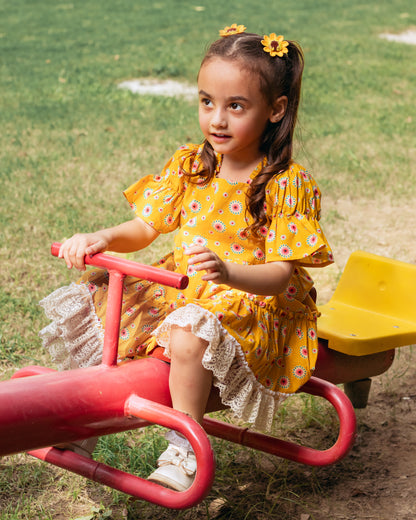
[64, 253]
[95, 248]
[207, 266]
[200, 257]
[74, 254]
[194, 250]
[79, 259]
[67, 259]
[211, 276]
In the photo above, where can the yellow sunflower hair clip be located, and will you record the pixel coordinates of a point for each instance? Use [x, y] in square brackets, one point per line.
[275, 45]
[234, 29]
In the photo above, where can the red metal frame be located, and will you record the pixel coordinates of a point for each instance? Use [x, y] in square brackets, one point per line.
[41, 407]
[151, 412]
[289, 450]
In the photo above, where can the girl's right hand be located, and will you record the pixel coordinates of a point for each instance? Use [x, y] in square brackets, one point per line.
[74, 250]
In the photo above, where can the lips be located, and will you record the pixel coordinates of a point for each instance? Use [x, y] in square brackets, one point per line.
[220, 138]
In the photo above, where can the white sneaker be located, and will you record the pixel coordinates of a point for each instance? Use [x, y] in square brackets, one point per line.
[176, 468]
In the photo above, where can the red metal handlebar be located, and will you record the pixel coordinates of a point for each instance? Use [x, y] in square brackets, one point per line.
[129, 268]
[118, 268]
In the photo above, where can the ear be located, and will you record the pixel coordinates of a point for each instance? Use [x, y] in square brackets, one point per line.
[279, 109]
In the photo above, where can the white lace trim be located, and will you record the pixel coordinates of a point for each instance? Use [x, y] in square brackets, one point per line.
[75, 336]
[239, 389]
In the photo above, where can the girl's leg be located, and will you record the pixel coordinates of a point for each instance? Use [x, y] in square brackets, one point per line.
[190, 387]
[189, 382]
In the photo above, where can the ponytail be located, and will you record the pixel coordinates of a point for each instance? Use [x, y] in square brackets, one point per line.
[277, 143]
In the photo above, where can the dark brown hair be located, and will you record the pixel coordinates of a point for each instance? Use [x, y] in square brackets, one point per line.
[277, 77]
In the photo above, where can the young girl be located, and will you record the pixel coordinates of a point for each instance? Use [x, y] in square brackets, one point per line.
[247, 219]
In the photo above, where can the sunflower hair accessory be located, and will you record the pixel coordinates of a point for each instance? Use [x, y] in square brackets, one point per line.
[234, 29]
[275, 45]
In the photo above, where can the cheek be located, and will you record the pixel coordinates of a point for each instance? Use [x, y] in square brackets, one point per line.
[241, 126]
[203, 119]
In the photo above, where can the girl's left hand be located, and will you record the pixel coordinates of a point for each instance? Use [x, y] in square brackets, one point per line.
[203, 259]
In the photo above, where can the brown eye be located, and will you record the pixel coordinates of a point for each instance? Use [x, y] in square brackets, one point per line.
[236, 106]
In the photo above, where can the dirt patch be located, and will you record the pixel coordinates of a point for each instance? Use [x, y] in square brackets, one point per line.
[375, 226]
[408, 37]
[375, 481]
[154, 87]
[378, 478]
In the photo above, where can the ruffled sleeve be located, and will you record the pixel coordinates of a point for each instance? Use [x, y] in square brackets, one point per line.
[157, 199]
[293, 200]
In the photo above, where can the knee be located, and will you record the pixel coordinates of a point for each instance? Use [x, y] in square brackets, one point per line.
[185, 346]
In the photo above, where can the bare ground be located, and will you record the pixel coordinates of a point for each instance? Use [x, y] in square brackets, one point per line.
[377, 480]
[375, 226]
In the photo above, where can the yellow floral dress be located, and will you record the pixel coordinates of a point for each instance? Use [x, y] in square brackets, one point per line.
[260, 348]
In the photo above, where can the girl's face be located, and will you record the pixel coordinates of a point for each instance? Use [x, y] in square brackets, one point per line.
[233, 113]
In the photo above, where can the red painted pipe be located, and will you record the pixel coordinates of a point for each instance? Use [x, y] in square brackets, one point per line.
[136, 486]
[289, 450]
[57, 407]
[52, 407]
[41, 407]
[130, 268]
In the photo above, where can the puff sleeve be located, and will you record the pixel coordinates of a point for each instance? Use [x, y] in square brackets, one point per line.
[157, 199]
[293, 202]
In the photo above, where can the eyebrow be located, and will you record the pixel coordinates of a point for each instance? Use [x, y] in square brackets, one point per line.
[230, 99]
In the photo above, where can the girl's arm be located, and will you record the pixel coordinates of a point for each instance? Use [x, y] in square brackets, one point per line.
[126, 237]
[267, 279]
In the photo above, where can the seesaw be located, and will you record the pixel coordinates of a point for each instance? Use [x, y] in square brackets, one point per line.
[40, 407]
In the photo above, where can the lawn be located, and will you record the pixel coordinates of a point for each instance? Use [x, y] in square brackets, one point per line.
[71, 141]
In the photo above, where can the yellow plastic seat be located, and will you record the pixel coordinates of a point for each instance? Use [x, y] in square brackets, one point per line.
[373, 308]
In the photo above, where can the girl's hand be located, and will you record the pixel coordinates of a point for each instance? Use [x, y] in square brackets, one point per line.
[203, 259]
[129, 236]
[269, 279]
[77, 247]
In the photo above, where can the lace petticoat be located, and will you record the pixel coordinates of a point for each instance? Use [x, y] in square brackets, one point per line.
[75, 337]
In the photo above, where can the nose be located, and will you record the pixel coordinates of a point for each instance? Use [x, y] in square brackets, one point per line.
[218, 119]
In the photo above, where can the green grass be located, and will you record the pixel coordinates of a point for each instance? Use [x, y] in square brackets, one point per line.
[71, 141]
